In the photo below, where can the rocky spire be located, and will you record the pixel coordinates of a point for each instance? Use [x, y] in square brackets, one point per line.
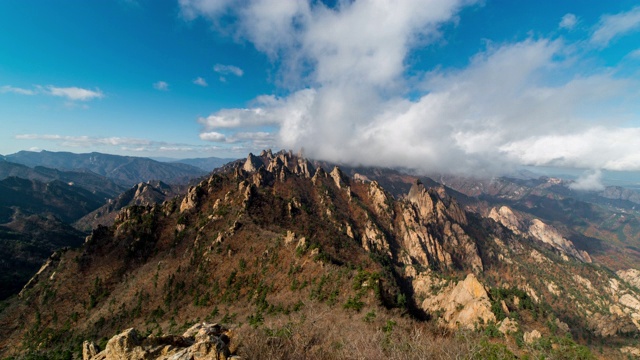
[253, 163]
[339, 177]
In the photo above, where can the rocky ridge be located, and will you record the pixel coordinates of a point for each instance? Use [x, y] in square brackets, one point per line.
[604, 223]
[142, 194]
[278, 232]
[538, 230]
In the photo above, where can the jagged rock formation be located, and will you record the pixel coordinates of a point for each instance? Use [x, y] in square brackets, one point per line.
[142, 194]
[551, 236]
[252, 164]
[201, 342]
[463, 304]
[605, 224]
[538, 230]
[433, 233]
[507, 218]
[51, 262]
[531, 336]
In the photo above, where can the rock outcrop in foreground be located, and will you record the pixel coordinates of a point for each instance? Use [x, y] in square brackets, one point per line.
[201, 342]
[464, 304]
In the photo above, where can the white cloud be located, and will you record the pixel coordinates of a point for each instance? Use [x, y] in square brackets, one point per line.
[212, 8]
[359, 47]
[598, 147]
[16, 90]
[513, 104]
[251, 140]
[568, 22]
[589, 181]
[74, 93]
[200, 81]
[175, 148]
[70, 93]
[228, 70]
[84, 141]
[268, 110]
[611, 26]
[115, 143]
[635, 54]
[161, 85]
[213, 136]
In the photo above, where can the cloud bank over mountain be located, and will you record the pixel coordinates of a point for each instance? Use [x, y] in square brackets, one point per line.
[351, 99]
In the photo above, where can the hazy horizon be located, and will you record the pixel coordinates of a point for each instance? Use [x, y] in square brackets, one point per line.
[587, 179]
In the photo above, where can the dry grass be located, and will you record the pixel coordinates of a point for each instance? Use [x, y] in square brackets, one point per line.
[319, 334]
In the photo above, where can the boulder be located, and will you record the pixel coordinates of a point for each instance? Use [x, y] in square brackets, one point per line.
[200, 342]
[508, 326]
[531, 336]
[464, 304]
[89, 350]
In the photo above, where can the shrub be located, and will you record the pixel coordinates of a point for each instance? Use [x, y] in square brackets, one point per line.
[353, 303]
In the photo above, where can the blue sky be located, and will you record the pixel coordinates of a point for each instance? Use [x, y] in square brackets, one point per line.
[441, 85]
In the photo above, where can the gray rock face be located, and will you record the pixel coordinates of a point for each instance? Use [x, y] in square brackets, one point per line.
[429, 209]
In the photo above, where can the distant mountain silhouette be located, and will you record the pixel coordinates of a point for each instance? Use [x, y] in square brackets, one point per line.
[64, 201]
[125, 170]
[101, 186]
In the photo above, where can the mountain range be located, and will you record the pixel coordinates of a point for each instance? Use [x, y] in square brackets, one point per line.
[124, 170]
[62, 196]
[306, 259]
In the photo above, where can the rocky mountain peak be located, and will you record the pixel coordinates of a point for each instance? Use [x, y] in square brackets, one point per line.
[434, 202]
[339, 177]
[266, 154]
[253, 163]
[280, 164]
